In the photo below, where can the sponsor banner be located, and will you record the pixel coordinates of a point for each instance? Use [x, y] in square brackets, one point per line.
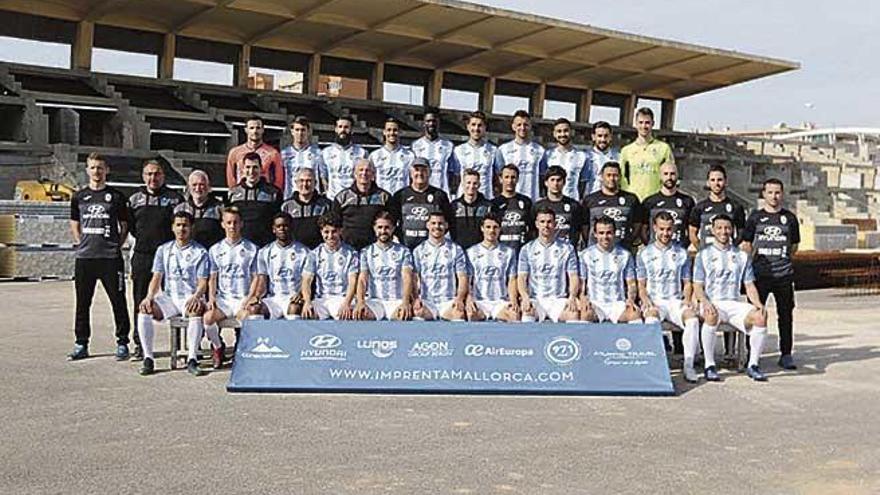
[308, 356]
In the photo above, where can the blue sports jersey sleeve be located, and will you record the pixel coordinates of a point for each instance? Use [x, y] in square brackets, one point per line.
[364, 260]
[354, 265]
[523, 266]
[571, 262]
[407, 259]
[699, 271]
[263, 261]
[461, 263]
[417, 259]
[499, 160]
[252, 266]
[158, 265]
[641, 270]
[212, 264]
[686, 268]
[203, 268]
[311, 264]
[748, 273]
[629, 272]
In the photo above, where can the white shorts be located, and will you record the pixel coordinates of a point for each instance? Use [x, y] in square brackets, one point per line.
[549, 307]
[170, 306]
[437, 309]
[229, 306]
[384, 308]
[734, 313]
[609, 311]
[328, 307]
[277, 305]
[492, 309]
[671, 310]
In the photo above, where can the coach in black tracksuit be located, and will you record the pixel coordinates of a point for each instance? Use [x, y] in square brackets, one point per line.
[205, 209]
[257, 202]
[411, 205]
[305, 206]
[151, 209]
[358, 204]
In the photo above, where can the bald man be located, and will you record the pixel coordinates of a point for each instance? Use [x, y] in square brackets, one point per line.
[204, 207]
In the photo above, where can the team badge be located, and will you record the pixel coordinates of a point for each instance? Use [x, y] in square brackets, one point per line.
[729, 207]
[678, 202]
[108, 197]
[521, 205]
[783, 220]
[567, 207]
[292, 255]
[621, 201]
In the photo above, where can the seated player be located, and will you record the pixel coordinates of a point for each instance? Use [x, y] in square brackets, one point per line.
[548, 274]
[441, 274]
[385, 281]
[180, 266]
[609, 275]
[720, 270]
[493, 292]
[279, 273]
[663, 269]
[230, 286]
[333, 268]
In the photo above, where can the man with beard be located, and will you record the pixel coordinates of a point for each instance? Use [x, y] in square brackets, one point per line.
[280, 273]
[437, 151]
[270, 159]
[340, 157]
[468, 211]
[700, 220]
[333, 268]
[515, 210]
[204, 208]
[302, 154]
[479, 155]
[441, 272]
[608, 277]
[524, 153]
[641, 159]
[569, 213]
[572, 160]
[256, 201]
[385, 282]
[600, 153]
[672, 201]
[623, 207]
[358, 204]
[494, 292]
[412, 205]
[305, 206]
[392, 160]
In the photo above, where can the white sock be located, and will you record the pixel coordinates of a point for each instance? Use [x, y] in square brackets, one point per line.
[147, 332]
[527, 319]
[691, 338]
[194, 336]
[213, 333]
[756, 344]
[707, 336]
[637, 321]
[650, 320]
[292, 317]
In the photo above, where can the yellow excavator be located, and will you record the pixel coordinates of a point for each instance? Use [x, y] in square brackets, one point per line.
[42, 190]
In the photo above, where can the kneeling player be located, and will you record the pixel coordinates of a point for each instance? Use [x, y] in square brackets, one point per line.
[664, 272]
[441, 274]
[333, 268]
[182, 267]
[279, 272]
[385, 282]
[720, 269]
[493, 291]
[610, 278]
[548, 274]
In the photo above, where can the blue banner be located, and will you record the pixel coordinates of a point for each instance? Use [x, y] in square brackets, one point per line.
[564, 358]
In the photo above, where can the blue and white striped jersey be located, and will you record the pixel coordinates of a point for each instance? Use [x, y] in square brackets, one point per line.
[332, 269]
[722, 271]
[548, 267]
[606, 273]
[385, 269]
[294, 159]
[392, 167]
[235, 266]
[574, 162]
[339, 163]
[491, 270]
[596, 160]
[481, 158]
[664, 270]
[437, 266]
[527, 157]
[284, 267]
[439, 154]
[181, 267]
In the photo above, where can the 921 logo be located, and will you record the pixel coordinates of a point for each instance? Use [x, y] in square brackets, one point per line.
[562, 350]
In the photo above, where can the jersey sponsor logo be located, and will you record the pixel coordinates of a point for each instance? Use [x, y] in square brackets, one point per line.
[108, 197]
[772, 233]
[419, 213]
[621, 200]
[96, 212]
[615, 214]
[562, 350]
[512, 217]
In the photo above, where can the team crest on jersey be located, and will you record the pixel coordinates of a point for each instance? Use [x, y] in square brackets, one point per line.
[783, 220]
[678, 202]
[521, 205]
[108, 197]
[567, 207]
[729, 207]
[292, 255]
[621, 201]
[430, 198]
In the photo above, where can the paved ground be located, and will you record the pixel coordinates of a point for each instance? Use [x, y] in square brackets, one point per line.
[98, 427]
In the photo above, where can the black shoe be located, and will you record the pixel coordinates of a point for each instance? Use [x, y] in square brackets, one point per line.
[711, 374]
[756, 374]
[122, 352]
[138, 353]
[786, 362]
[192, 366]
[148, 368]
[79, 351]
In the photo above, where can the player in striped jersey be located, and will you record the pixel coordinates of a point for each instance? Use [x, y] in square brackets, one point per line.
[493, 292]
[524, 153]
[664, 272]
[437, 151]
[720, 270]
[180, 266]
[609, 278]
[333, 268]
[572, 160]
[302, 154]
[339, 158]
[477, 154]
[548, 280]
[279, 272]
[230, 286]
[441, 272]
[392, 160]
[600, 153]
[385, 281]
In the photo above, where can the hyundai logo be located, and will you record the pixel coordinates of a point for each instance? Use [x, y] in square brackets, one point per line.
[773, 230]
[325, 341]
[419, 211]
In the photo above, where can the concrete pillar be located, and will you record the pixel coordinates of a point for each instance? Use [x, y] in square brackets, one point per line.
[434, 89]
[243, 67]
[377, 82]
[81, 51]
[314, 74]
[166, 58]
[65, 127]
[628, 111]
[536, 102]
[667, 115]
[487, 97]
[584, 106]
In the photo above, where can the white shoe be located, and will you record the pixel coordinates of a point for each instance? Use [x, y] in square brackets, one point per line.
[690, 375]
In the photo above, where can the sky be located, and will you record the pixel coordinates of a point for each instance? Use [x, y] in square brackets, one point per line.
[836, 44]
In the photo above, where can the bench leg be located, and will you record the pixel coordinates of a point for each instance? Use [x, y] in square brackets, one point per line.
[175, 346]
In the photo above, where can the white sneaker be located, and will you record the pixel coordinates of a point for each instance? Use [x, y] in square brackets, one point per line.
[690, 375]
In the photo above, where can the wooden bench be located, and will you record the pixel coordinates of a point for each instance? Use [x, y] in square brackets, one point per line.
[179, 349]
[740, 354]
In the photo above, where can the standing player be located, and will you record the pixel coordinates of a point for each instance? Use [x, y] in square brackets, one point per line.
[600, 153]
[469, 210]
[280, 268]
[412, 204]
[524, 153]
[572, 160]
[177, 287]
[204, 208]
[340, 158]
[230, 286]
[674, 202]
[477, 154]
[302, 154]
[437, 151]
[270, 159]
[623, 207]
[441, 273]
[569, 214]
[358, 205]
[641, 159]
[515, 210]
[548, 280]
[333, 268]
[99, 224]
[305, 206]
[665, 289]
[385, 282]
[772, 236]
[493, 292]
[392, 160]
[700, 220]
[256, 201]
[608, 275]
[720, 270]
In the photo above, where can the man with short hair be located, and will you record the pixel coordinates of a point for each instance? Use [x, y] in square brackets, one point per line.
[623, 207]
[524, 153]
[280, 268]
[441, 272]
[641, 159]
[204, 208]
[548, 280]
[477, 154]
[270, 159]
[771, 236]
[177, 287]
[333, 269]
[256, 200]
[720, 271]
[674, 202]
[385, 281]
[664, 273]
[468, 211]
[569, 213]
[302, 154]
[305, 206]
[340, 157]
[601, 152]
[608, 277]
[358, 204]
[493, 292]
[515, 210]
[437, 151]
[717, 203]
[392, 160]
[99, 225]
[412, 204]
[570, 159]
